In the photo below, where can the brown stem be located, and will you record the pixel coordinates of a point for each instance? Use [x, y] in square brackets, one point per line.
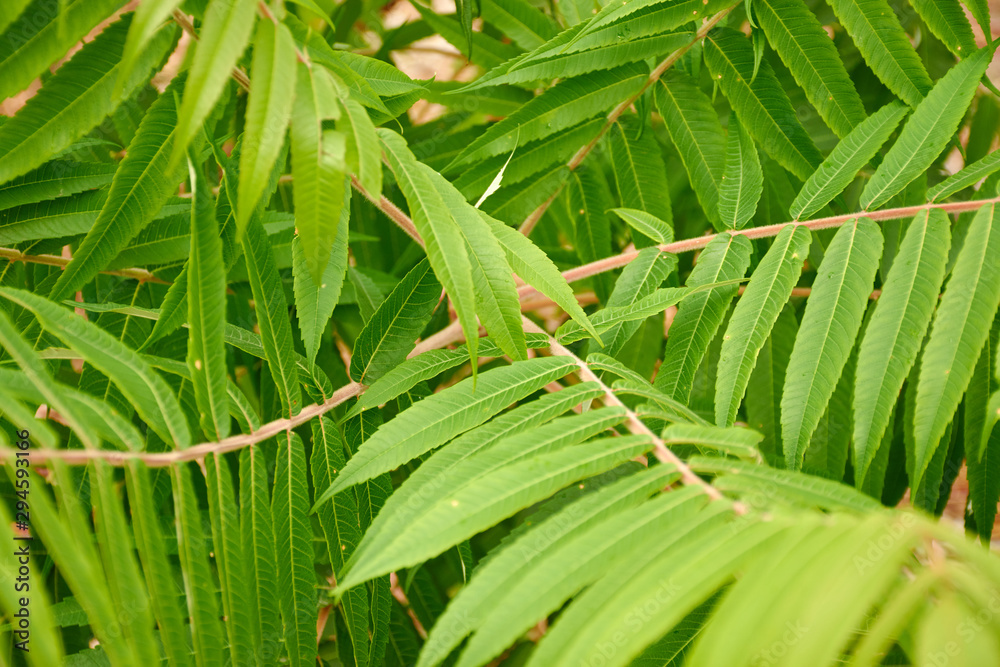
[14, 255]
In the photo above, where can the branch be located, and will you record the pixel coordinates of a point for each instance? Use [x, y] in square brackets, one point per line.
[159, 459]
[15, 255]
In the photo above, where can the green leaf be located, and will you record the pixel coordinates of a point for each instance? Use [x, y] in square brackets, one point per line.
[980, 9]
[269, 109]
[164, 593]
[394, 328]
[928, 131]
[147, 391]
[466, 511]
[646, 224]
[578, 62]
[760, 102]
[742, 181]
[695, 130]
[567, 567]
[141, 186]
[257, 533]
[589, 200]
[11, 11]
[202, 603]
[536, 268]
[736, 441]
[982, 440]
[896, 331]
[679, 13]
[481, 48]
[496, 295]
[314, 303]
[54, 179]
[206, 355]
[885, 47]
[339, 521]
[960, 329]
[754, 316]
[77, 561]
[699, 316]
[519, 20]
[612, 317]
[441, 233]
[319, 167]
[847, 158]
[441, 416]
[796, 34]
[830, 323]
[562, 106]
[222, 38]
[272, 315]
[364, 155]
[41, 35]
[947, 20]
[640, 279]
[424, 366]
[293, 547]
[74, 100]
[229, 556]
[640, 174]
[128, 589]
[666, 408]
[971, 174]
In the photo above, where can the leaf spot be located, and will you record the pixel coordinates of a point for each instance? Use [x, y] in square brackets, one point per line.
[197, 364]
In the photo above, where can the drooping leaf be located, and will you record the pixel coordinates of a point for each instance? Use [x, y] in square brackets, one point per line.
[947, 20]
[847, 158]
[59, 178]
[886, 49]
[207, 634]
[830, 323]
[230, 557]
[391, 332]
[727, 257]
[257, 534]
[680, 12]
[796, 34]
[640, 173]
[272, 314]
[142, 184]
[269, 109]
[928, 131]
[206, 356]
[314, 302]
[293, 547]
[644, 223]
[444, 415]
[319, 165]
[496, 295]
[696, 132]
[640, 278]
[221, 40]
[439, 230]
[960, 329]
[761, 105]
[754, 316]
[363, 153]
[743, 181]
[896, 330]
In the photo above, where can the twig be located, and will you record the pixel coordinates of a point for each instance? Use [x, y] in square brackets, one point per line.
[14, 255]
[632, 421]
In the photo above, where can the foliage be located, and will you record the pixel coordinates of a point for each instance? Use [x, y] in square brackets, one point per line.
[317, 361]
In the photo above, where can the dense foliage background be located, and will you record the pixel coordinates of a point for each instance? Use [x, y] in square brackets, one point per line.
[656, 332]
